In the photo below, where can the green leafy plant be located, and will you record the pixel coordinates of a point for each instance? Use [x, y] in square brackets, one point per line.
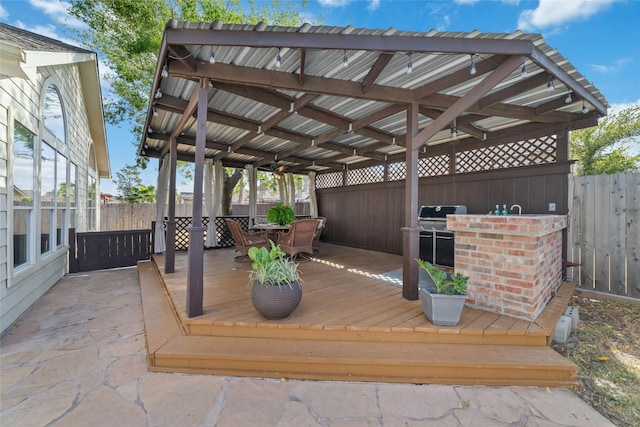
[455, 284]
[281, 214]
[271, 268]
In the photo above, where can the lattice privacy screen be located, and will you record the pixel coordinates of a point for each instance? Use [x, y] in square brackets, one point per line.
[523, 153]
[225, 239]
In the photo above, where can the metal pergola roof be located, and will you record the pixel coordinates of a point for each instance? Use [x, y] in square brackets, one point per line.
[312, 113]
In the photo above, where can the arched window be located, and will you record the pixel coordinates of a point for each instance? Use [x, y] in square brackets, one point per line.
[53, 114]
[54, 174]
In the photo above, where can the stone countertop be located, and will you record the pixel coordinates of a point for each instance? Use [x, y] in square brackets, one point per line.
[524, 225]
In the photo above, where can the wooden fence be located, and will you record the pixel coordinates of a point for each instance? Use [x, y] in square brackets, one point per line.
[604, 233]
[127, 216]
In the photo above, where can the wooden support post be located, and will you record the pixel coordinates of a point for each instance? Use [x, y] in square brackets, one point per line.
[410, 232]
[170, 254]
[196, 231]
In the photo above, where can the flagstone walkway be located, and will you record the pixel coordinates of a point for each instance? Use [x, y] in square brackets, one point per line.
[77, 358]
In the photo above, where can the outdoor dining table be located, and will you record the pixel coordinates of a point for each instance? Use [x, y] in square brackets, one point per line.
[272, 229]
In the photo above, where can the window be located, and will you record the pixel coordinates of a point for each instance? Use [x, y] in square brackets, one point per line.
[73, 195]
[53, 115]
[23, 192]
[47, 197]
[91, 191]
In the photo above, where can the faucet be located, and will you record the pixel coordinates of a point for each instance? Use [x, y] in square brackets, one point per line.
[516, 206]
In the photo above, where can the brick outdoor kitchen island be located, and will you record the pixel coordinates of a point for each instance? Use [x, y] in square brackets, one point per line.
[514, 262]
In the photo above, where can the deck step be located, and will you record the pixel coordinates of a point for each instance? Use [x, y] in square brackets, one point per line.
[287, 354]
[351, 361]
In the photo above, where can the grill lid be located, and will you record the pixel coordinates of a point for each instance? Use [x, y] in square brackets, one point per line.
[441, 211]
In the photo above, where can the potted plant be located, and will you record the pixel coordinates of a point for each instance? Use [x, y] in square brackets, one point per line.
[275, 282]
[443, 299]
[281, 214]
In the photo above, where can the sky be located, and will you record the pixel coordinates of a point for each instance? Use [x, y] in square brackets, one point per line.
[599, 37]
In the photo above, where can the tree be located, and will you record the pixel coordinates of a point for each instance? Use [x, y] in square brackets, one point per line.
[605, 149]
[130, 186]
[129, 32]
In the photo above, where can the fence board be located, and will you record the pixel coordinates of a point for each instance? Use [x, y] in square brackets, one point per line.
[617, 223]
[587, 243]
[604, 233]
[633, 235]
[600, 222]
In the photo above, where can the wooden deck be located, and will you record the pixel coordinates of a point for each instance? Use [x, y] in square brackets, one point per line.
[352, 323]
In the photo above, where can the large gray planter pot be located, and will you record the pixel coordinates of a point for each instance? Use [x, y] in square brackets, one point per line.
[276, 302]
[442, 310]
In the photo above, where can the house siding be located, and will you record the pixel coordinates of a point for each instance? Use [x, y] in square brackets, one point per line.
[20, 100]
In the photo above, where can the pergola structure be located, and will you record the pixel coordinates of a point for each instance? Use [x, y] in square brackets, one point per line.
[324, 99]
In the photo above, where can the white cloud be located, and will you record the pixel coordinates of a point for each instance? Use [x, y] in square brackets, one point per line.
[333, 3]
[3, 13]
[551, 13]
[617, 65]
[58, 11]
[373, 4]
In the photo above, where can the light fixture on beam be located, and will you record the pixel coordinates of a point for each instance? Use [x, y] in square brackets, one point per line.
[410, 63]
[154, 112]
[345, 59]
[568, 99]
[454, 129]
[585, 110]
[165, 71]
[550, 86]
[523, 71]
[158, 94]
[278, 59]
[212, 57]
[473, 70]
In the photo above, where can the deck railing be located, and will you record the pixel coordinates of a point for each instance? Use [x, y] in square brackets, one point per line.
[108, 249]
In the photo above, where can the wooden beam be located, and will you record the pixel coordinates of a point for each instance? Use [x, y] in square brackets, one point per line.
[170, 255]
[471, 97]
[380, 43]
[410, 231]
[303, 59]
[554, 104]
[544, 61]
[183, 55]
[281, 80]
[514, 90]
[196, 232]
[441, 101]
[464, 126]
[375, 71]
[187, 114]
[460, 76]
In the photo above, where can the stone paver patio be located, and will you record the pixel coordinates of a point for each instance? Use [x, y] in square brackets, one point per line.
[77, 358]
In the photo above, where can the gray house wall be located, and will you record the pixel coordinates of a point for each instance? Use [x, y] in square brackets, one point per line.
[20, 100]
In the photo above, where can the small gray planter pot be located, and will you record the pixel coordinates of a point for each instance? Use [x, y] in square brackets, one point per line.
[442, 310]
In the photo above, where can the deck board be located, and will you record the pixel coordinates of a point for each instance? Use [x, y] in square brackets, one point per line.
[347, 307]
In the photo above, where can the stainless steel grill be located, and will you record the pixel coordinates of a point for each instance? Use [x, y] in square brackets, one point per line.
[436, 242]
[435, 217]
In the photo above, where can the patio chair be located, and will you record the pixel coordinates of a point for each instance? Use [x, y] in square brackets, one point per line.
[299, 239]
[316, 238]
[245, 240]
